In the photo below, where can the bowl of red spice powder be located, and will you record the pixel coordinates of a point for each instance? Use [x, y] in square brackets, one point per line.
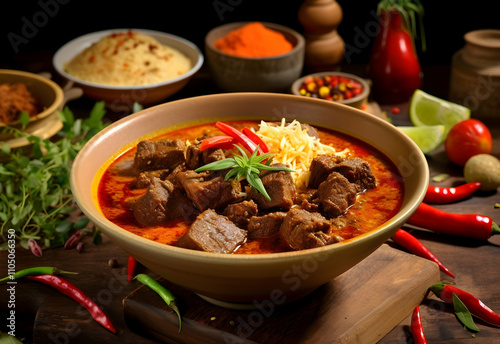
[254, 56]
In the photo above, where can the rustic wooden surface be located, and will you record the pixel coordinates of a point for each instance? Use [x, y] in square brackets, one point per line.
[60, 320]
[360, 306]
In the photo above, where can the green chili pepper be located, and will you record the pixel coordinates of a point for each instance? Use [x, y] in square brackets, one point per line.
[164, 293]
[38, 270]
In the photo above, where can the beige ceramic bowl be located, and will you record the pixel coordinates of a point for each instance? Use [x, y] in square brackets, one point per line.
[265, 74]
[232, 280]
[357, 101]
[123, 97]
[45, 91]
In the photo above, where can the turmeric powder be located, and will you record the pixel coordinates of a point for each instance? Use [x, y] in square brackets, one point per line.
[254, 40]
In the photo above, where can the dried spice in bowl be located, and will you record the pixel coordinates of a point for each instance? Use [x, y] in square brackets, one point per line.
[14, 99]
[330, 87]
[254, 40]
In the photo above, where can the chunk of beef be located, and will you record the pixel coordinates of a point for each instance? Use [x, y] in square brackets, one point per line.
[302, 229]
[144, 179]
[213, 233]
[155, 155]
[196, 158]
[321, 167]
[311, 131]
[207, 192]
[335, 195]
[305, 199]
[358, 172]
[279, 186]
[266, 225]
[172, 177]
[241, 212]
[161, 202]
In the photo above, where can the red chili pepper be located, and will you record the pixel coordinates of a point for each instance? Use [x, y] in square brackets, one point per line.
[222, 141]
[438, 194]
[474, 305]
[417, 330]
[132, 263]
[413, 245]
[241, 138]
[468, 225]
[76, 294]
[256, 139]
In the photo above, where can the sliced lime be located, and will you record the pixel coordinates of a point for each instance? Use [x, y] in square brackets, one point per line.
[428, 138]
[426, 109]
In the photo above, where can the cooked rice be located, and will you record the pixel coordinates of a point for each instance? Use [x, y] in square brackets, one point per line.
[128, 59]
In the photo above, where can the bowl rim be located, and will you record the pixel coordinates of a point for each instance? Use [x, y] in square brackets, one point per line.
[193, 255]
[301, 42]
[364, 94]
[93, 37]
[58, 93]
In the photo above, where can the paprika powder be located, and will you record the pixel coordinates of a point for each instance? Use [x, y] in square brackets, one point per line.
[254, 40]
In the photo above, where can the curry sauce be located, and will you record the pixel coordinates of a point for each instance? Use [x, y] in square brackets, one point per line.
[372, 207]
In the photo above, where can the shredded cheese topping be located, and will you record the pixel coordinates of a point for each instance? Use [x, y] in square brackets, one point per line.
[293, 147]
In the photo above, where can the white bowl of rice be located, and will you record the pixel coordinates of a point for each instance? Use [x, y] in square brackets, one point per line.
[124, 66]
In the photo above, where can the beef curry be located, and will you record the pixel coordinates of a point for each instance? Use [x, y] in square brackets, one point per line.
[160, 191]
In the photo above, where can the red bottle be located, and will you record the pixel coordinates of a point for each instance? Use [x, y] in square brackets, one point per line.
[394, 67]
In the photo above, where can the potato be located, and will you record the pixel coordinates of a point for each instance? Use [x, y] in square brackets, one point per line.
[483, 168]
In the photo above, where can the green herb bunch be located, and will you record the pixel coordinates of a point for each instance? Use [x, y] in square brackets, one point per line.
[35, 194]
[245, 167]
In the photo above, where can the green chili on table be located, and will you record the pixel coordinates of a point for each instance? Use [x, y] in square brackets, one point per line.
[38, 270]
[164, 293]
[68, 289]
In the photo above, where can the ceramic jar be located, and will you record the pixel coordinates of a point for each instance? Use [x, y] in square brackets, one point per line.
[475, 74]
[324, 49]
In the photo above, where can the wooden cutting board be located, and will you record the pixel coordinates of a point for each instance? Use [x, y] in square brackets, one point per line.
[360, 306]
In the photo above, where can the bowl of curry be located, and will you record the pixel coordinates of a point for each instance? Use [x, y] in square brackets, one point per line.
[249, 196]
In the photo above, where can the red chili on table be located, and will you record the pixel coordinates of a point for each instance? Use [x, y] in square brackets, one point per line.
[330, 87]
[132, 264]
[473, 226]
[76, 294]
[438, 194]
[474, 305]
[413, 245]
[417, 330]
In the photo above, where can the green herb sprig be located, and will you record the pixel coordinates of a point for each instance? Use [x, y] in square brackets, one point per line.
[246, 167]
[35, 194]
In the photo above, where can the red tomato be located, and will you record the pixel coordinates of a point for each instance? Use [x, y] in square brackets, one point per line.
[465, 139]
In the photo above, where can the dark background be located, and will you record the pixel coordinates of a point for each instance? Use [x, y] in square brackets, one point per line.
[58, 21]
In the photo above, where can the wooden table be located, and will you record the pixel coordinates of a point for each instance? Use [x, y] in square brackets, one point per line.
[43, 316]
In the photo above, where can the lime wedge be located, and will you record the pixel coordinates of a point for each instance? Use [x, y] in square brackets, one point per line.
[428, 138]
[426, 109]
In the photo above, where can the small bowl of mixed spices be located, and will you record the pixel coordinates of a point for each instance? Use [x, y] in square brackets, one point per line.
[343, 88]
[24, 92]
[254, 56]
[28, 102]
